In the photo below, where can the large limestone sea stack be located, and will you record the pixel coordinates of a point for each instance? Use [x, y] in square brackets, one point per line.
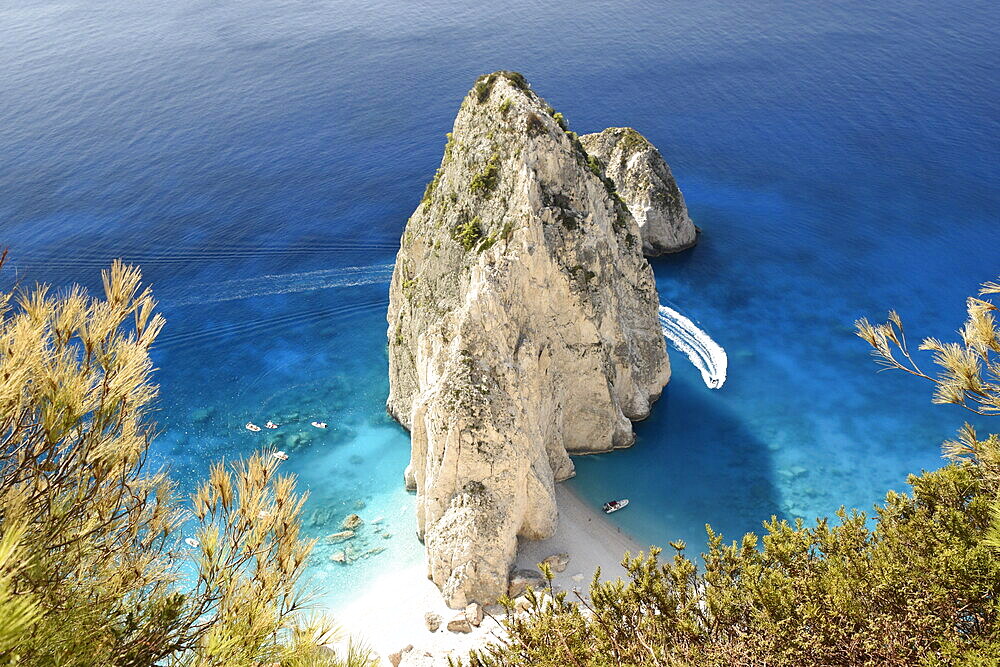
[522, 329]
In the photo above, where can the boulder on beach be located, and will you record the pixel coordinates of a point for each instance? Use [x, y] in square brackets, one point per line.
[459, 624]
[474, 613]
[338, 557]
[521, 579]
[557, 562]
[395, 658]
[432, 620]
[351, 522]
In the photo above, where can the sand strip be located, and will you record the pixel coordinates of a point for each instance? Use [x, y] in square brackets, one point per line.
[390, 614]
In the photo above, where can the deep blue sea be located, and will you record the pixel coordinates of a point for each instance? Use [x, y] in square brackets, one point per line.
[260, 158]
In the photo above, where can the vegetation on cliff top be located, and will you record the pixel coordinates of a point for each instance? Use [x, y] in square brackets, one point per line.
[918, 583]
[101, 563]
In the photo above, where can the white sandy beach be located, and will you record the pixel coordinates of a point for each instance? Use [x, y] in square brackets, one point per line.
[391, 614]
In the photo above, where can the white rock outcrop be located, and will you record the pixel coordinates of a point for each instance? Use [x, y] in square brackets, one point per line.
[522, 328]
[646, 185]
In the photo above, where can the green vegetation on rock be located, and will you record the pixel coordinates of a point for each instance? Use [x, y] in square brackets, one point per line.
[467, 233]
[484, 84]
[486, 180]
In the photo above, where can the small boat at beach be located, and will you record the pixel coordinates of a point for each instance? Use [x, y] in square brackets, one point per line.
[270, 424]
[252, 427]
[319, 424]
[614, 505]
[280, 455]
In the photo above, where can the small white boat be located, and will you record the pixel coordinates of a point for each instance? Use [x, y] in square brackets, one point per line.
[250, 426]
[191, 542]
[319, 424]
[280, 455]
[614, 505]
[270, 424]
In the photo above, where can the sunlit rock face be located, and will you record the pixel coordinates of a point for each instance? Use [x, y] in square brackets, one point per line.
[522, 328]
[644, 181]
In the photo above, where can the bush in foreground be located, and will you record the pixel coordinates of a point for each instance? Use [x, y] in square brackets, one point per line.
[94, 569]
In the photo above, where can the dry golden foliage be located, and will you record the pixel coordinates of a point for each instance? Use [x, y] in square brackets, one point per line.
[970, 370]
[93, 569]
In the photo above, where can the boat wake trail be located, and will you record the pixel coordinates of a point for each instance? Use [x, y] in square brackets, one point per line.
[272, 324]
[706, 355]
[284, 283]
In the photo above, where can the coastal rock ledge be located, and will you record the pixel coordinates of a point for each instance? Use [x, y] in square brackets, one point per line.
[522, 328]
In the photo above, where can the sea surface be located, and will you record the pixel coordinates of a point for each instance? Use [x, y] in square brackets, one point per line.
[259, 159]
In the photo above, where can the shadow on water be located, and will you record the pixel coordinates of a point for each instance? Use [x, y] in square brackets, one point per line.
[693, 463]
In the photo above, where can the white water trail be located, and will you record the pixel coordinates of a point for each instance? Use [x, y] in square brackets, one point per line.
[283, 283]
[706, 355]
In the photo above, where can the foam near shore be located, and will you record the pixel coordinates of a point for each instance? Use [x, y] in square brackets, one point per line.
[390, 614]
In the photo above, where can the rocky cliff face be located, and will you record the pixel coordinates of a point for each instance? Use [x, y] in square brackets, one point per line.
[522, 328]
[643, 180]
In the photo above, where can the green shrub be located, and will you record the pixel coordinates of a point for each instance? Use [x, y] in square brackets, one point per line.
[487, 179]
[516, 78]
[483, 87]
[484, 84]
[432, 186]
[561, 120]
[467, 233]
[595, 166]
[919, 588]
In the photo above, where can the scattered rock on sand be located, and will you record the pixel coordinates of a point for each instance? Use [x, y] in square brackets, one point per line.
[521, 579]
[340, 537]
[432, 620]
[339, 557]
[351, 522]
[418, 659]
[557, 562]
[474, 613]
[459, 624]
[396, 657]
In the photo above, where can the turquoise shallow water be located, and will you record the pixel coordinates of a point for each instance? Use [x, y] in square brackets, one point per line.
[260, 160]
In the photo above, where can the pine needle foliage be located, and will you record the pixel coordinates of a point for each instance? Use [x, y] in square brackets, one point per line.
[916, 583]
[94, 567]
[969, 373]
